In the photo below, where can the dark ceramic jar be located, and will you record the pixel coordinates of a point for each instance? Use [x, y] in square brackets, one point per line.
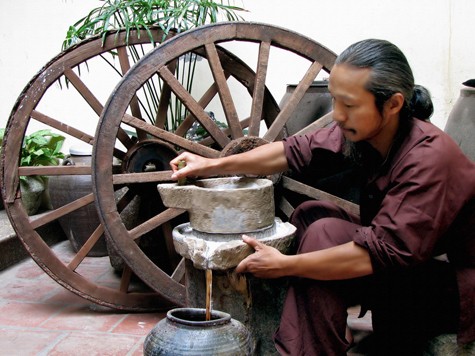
[185, 331]
[461, 122]
[81, 223]
[315, 103]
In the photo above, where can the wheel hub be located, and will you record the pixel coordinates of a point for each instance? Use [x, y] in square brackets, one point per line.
[148, 156]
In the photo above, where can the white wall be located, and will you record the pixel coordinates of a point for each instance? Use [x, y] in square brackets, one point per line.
[436, 35]
[31, 33]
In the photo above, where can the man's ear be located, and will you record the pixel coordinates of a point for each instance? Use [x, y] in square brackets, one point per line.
[394, 104]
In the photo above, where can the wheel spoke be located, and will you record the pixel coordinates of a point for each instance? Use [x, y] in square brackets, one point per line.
[164, 101]
[208, 141]
[69, 130]
[134, 103]
[170, 137]
[58, 125]
[324, 121]
[125, 279]
[145, 177]
[223, 90]
[84, 91]
[285, 206]
[93, 102]
[179, 271]
[155, 222]
[203, 102]
[86, 248]
[167, 230]
[296, 186]
[65, 209]
[193, 106]
[294, 100]
[259, 89]
[53, 170]
[125, 200]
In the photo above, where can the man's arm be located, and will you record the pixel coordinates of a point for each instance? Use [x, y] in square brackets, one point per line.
[340, 262]
[263, 160]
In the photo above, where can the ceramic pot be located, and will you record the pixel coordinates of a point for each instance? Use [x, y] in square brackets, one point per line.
[461, 122]
[315, 103]
[186, 332]
[32, 193]
[81, 223]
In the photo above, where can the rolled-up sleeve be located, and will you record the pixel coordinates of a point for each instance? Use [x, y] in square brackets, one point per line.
[420, 200]
[301, 150]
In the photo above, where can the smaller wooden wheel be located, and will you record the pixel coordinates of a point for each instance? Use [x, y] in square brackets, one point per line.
[42, 105]
[220, 47]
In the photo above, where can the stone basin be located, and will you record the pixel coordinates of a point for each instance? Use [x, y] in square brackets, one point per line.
[224, 205]
[225, 251]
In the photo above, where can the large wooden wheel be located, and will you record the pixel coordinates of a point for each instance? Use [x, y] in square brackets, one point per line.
[248, 123]
[82, 71]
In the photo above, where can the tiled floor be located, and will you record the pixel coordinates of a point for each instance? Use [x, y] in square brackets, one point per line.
[40, 317]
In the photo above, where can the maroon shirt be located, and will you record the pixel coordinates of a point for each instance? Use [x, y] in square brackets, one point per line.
[418, 205]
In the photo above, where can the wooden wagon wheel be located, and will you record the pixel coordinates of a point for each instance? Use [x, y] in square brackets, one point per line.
[243, 131]
[75, 67]
[34, 109]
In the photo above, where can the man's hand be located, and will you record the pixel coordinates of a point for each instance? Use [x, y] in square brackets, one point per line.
[195, 166]
[265, 262]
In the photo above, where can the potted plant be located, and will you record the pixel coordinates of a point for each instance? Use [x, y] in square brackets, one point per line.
[40, 148]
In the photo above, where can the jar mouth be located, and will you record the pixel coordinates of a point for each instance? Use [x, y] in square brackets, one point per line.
[197, 317]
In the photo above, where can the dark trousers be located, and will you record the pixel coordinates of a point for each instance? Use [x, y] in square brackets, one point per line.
[408, 306]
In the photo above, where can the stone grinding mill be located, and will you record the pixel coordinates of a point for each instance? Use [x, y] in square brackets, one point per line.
[131, 154]
[221, 210]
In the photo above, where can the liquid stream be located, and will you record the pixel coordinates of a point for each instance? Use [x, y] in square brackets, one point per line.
[209, 290]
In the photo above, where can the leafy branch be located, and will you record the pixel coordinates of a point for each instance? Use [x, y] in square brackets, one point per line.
[152, 15]
[178, 15]
[42, 148]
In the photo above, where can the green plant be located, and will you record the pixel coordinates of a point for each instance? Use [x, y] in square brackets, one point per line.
[150, 15]
[40, 148]
[179, 15]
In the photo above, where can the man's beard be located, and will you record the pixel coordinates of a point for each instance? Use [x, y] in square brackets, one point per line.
[352, 151]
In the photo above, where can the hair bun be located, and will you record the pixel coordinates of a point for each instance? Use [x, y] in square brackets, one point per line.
[421, 103]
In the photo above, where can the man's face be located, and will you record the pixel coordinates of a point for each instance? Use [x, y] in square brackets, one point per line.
[354, 107]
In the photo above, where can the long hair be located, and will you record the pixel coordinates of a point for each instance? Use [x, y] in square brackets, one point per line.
[390, 74]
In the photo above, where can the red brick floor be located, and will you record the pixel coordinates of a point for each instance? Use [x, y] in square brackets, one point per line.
[40, 317]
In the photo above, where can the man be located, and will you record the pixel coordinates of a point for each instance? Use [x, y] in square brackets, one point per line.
[410, 256]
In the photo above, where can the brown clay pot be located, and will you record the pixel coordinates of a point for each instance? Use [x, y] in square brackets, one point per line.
[79, 224]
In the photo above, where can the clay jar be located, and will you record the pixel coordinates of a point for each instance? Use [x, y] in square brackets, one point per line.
[185, 331]
[81, 223]
[314, 104]
[461, 122]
